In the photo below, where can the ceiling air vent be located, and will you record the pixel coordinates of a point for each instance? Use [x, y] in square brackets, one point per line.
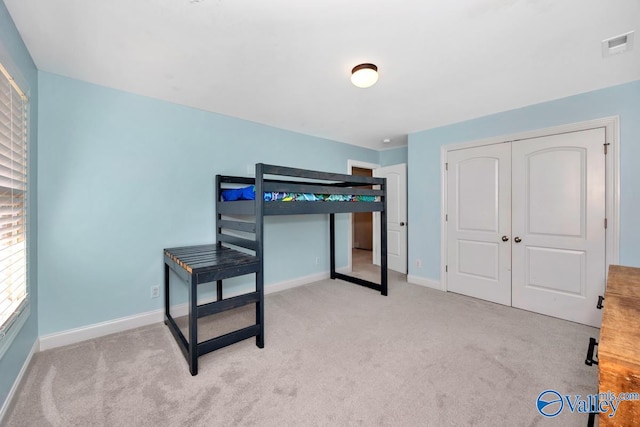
[617, 44]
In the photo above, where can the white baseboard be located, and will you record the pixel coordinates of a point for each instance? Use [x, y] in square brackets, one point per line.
[97, 330]
[72, 336]
[294, 283]
[428, 283]
[18, 382]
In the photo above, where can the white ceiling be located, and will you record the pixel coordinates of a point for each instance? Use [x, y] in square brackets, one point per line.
[287, 63]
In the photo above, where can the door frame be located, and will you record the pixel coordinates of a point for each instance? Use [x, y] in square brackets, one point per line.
[350, 165]
[612, 181]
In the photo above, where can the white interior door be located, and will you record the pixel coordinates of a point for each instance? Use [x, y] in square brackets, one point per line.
[396, 218]
[558, 225]
[478, 210]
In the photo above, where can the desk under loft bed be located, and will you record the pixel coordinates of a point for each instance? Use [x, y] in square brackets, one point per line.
[239, 246]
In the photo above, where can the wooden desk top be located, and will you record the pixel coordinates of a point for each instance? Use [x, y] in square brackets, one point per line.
[623, 281]
[620, 330]
[203, 258]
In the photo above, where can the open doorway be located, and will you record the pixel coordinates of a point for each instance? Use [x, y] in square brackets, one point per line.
[362, 231]
[359, 254]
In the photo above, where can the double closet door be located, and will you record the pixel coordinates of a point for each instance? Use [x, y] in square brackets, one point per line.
[526, 224]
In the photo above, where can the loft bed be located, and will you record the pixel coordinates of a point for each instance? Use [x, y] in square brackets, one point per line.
[239, 247]
[305, 182]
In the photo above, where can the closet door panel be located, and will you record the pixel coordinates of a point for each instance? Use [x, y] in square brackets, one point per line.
[478, 209]
[558, 216]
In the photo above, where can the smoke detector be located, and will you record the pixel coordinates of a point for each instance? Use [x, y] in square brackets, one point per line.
[617, 44]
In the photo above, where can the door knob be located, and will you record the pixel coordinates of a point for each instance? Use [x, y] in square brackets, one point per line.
[505, 239]
[517, 240]
[402, 224]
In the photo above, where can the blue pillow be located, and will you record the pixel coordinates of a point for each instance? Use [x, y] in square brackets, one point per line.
[248, 193]
[245, 193]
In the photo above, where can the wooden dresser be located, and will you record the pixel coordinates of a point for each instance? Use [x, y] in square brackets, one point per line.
[619, 345]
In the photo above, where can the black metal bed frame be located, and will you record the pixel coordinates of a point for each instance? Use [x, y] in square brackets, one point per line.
[208, 263]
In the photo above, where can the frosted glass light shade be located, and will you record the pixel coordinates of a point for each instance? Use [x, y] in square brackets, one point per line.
[364, 75]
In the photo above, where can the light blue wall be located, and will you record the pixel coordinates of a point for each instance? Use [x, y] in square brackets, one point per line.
[424, 164]
[122, 176]
[16, 59]
[394, 156]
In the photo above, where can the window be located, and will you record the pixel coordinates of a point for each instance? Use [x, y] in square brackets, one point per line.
[13, 207]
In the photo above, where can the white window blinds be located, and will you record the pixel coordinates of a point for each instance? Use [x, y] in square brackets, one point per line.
[13, 202]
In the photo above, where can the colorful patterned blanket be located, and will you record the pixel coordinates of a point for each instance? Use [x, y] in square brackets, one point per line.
[249, 193]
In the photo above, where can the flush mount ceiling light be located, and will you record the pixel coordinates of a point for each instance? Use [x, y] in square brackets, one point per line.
[364, 75]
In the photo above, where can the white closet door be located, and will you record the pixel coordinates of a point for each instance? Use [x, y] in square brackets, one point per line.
[479, 204]
[558, 217]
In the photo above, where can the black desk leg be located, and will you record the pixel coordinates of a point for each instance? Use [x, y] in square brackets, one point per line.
[260, 309]
[193, 326]
[166, 293]
[219, 290]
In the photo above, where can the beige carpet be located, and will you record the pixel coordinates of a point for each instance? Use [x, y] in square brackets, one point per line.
[335, 354]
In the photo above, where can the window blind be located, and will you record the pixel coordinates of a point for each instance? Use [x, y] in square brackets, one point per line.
[13, 202]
